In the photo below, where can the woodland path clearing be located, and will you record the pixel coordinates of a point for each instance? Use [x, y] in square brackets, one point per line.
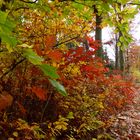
[127, 124]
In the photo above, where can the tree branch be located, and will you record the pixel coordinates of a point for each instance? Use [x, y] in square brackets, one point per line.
[31, 2]
[12, 68]
[131, 3]
[65, 41]
[19, 8]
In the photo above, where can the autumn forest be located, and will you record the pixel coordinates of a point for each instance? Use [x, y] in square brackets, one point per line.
[57, 81]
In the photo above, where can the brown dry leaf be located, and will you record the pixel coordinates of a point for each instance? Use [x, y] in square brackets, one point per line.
[6, 100]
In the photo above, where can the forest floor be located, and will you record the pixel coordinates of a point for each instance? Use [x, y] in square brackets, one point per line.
[127, 124]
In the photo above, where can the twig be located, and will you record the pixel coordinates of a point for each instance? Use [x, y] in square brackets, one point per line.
[12, 68]
[65, 41]
[31, 2]
[44, 109]
[19, 8]
[133, 3]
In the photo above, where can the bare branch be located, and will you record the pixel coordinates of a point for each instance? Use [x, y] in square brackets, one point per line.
[12, 68]
[65, 41]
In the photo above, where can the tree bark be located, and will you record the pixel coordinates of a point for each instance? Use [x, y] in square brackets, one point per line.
[121, 55]
[116, 53]
[98, 35]
[121, 60]
[98, 32]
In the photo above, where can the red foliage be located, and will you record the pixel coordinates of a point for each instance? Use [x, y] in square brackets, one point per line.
[39, 92]
[50, 42]
[94, 44]
[55, 55]
[119, 92]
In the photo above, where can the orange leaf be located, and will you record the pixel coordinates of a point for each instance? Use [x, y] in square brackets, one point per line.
[6, 100]
[50, 41]
[55, 55]
[39, 92]
[38, 49]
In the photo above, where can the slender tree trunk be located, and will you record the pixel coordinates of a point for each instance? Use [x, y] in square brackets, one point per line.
[98, 35]
[98, 32]
[127, 64]
[121, 56]
[121, 60]
[121, 51]
[116, 53]
[116, 57]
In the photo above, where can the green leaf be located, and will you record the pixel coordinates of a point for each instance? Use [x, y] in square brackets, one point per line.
[11, 41]
[49, 71]
[5, 29]
[78, 6]
[9, 48]
[60, 88]
[3, 17]
[66, 12]
[70, 115]
[46, 8]
[10, 23]
[121, 39]
[119, 44]
[106, 7]
[32, 57]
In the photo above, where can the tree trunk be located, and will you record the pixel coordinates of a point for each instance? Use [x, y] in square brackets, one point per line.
[98, 32]
[116, 53]
[121, 55]
[127, 63]
[98, 36]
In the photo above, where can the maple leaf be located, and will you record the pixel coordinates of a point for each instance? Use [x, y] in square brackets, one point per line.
[87, 68]
[79, 51]
[39, 92]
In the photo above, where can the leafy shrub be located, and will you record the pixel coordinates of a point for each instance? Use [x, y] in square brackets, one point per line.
[94, 98]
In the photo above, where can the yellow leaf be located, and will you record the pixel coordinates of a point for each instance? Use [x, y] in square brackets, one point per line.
[15, 134]
[10, 138]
